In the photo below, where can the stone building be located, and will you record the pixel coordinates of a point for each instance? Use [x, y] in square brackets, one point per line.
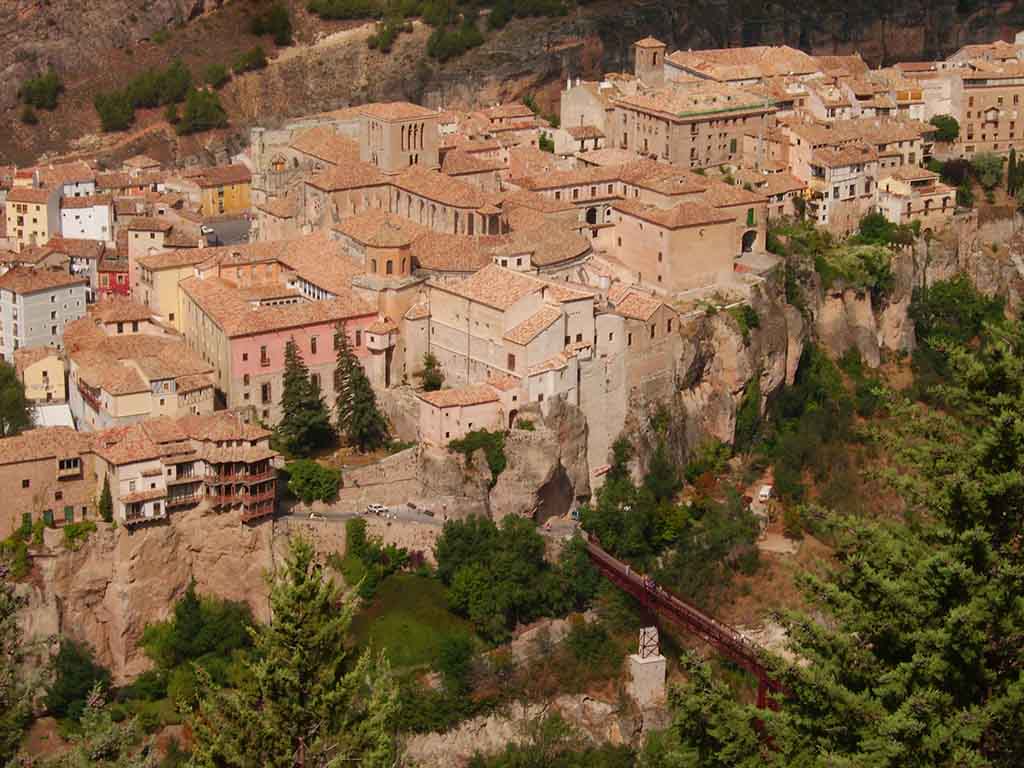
[36, 305]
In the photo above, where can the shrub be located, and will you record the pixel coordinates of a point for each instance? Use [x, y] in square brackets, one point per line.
[75, 674]
[277, 22]
[344, 9]
[253, 59]
[311, 481]
[746, 318]
[203, 112]
[42, 92]
[15, 552]
[792, 521]
[545, 143]
[115, 110]
[216, 75]
[432, 376]
[75, 534]
[492, 444]
[525, 424]
[987, 169]
[161, 36]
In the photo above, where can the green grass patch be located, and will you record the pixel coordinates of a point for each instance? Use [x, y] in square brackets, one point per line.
[408, 618]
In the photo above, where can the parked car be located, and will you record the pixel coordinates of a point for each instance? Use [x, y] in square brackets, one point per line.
[376, 509]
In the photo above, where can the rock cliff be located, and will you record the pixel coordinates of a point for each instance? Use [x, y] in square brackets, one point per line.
[119, 580]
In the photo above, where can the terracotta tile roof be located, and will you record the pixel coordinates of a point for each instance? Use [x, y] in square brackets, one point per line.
[110, 263]
[608, 156]
[419, 311]
[28, 356]
[637, 306]
[229, 310]
[547, 242]
[649, 42]
[102, 372]
[474, 394]
[556, 362]
[911, 173]
[534, 325]
[76, 247]
[851, 63]
[525, 198]
[745, 63]
[459, 162]
[505, 382]
[324, 143]
[440, 188]
[320, 261]
[28, 280]
[131, 206]
[585, 132]
[148, 224]
[126, 445]
[380, 327]
[684, 214]
[850, 154]
[193, 383]
[45, 443]
[720, 194]
[184, 257]
[224, 175]
[119, 309]
[66, 173]
[508, 110]
[280, 207]
[699, 101]
[86, 201]
[396, 110]
[379, 228]
[439, 252]
[495, 286]
[348, 175]
[30, 195]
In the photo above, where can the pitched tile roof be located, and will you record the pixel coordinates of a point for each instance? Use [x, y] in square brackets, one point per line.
[28, 356]
[474, 394]
[119, 309]
[495, 286]
[224, 175]
[76, 247]
[379, 228]
[440, 252]
[637, 306]
[747, 63]
[148, 224]
[30, 195]
[29, 280]
[396, 110]
[436, 186]
[534, 325]
[324, 143]
[347, 175]
[45, 443]
[685, 214]
[185, 257]
[86, 201]
[228, 309]
[649, 42]
[66, 173]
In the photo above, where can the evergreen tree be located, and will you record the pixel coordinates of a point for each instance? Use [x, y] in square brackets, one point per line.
[106, 502]
[1012, 173]
[305, 423]
[432, 376]
[358, 417]
[15, 412]
[301, 701]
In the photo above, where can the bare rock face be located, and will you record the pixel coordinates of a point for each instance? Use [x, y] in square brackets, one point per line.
[119, 580]
[547, 467]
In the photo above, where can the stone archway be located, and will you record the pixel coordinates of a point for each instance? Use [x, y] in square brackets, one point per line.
[749, 238]
[591, 216]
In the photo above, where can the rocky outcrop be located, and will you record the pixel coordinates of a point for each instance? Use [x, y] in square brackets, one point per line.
[547, 467]
[119, 580]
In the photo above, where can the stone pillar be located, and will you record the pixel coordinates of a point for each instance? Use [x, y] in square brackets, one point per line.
[647, 670]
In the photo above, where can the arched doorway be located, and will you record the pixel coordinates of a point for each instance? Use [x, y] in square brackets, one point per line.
[591, 215]
[749, 237]
[512, 418]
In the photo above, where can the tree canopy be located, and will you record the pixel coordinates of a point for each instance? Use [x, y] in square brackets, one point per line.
[305, 424]
[946, 127]
[301, 693]
[15, 411]
[358, 417]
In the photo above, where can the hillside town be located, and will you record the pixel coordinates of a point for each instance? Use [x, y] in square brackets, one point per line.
[435, 296]
[533, 262]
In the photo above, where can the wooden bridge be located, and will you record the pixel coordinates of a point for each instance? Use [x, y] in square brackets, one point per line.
[723, 638]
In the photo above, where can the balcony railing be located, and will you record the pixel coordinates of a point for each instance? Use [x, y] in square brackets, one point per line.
[89, 397]
[184, 500]
[184, 479]
[259, 498]
[241, 477]
[252, 513]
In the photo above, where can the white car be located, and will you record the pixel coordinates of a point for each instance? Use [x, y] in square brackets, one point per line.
[376, 509]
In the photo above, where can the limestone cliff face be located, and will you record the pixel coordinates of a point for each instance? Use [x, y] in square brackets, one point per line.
[119, 580]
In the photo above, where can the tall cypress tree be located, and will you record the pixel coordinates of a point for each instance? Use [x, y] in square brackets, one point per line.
[1012, 173]
[356, 411]
[106, 509]
[301, 701]
[305, 424]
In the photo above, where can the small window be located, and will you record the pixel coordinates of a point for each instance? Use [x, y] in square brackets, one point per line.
[245, 356]
[652, 331]
[312, 345]
[511, 362]
[629, 339]
[668, 325]
[245, 380]
[359, 338]
[171, 317]
[25, 483]
[265, 392]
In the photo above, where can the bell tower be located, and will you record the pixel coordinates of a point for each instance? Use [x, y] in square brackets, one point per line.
[649, 62]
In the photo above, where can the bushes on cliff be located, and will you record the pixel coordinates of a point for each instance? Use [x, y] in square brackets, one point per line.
[251, 60]
[75, 673]
[203, 112]
[491, 443]
[344, 9]
[448, 43]
[153, 88]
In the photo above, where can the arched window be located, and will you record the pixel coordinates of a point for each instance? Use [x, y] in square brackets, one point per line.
[403, 265]
[390, 267]
[373, 266]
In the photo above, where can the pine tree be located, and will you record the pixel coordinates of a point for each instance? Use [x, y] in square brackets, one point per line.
[431, 375]
[358, 417]
[300, 701]
[305, 424]
[106, 502]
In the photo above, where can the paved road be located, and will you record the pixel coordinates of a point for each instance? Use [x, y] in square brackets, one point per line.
[401, 513]
[229, 231]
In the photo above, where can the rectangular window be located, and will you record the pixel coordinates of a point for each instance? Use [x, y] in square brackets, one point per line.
[264, 356]
[25, 483]
[629, 339]
[265, 392]
[359, 338]
[511, 362]
[312, 345]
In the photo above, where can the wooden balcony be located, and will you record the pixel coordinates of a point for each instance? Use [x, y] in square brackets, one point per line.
[183, 500]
